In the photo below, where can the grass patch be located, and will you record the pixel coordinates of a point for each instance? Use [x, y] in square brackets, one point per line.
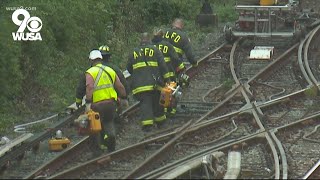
[40, 78]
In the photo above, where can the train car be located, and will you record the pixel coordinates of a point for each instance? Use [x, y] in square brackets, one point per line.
[266, 18]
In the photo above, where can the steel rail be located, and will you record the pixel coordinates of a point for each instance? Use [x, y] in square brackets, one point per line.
[183, 131]
[121, 153]
[269, 139]
[240, 87]
[107, 158]
[311, 171]
[44, 135]
[300, 59]
[284, 162]
[190, 69]
[47, 169]
[158, 172]
[272, 137]
[113, 156]
[308, 118]
[218, 147]
[306, 60]
[52, 165]
[34, 141]
[232, 67]
[255, 111]
[305, 137]
[242, 91]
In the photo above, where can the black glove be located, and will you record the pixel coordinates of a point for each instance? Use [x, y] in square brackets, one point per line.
[183, 80]
[160, 81]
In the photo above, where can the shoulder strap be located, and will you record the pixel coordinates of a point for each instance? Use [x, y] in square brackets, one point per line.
[102, 67]
[98, 78]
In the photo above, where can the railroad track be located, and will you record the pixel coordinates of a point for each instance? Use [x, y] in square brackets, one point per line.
[276, 147]
[257, 160]
[124, 136]
[180, 119]
[313, 173]
[246, 117]
[186, 137]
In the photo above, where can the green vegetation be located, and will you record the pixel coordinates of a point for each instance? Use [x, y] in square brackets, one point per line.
[41, 76]
[312, 91]
[227, 84]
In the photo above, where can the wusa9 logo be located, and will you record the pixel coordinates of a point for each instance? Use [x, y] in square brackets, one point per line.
[33, 24]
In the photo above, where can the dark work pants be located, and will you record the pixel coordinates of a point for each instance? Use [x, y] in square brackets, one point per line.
[149, 105]
[107, 110]
[173, 107]
[158, 110]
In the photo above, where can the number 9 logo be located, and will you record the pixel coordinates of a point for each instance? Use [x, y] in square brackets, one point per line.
[34, 24]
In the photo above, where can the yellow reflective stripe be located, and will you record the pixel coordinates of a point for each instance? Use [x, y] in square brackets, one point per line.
[78, 100]
[147, 122]
[103, 147]
[105, 137]
[105, 86]
[143, 88]
[102, 82]
[178, 50]
[173, 111]
[152, 63]
[96, 87]
[181, 66]
[169, 74]
[161, 118]
[158, 87]
[96, 81]
[139, 65]
[143, 64]
[167, 59]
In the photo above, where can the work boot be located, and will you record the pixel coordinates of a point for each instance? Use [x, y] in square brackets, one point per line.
[160, 120]
[172, 113]
[103, 147]
[110, 143]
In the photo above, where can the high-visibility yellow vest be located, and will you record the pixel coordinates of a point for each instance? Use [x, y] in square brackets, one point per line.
[103, 88]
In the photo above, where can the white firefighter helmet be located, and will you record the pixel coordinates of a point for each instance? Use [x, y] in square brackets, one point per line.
[59, 134]
[95, 54]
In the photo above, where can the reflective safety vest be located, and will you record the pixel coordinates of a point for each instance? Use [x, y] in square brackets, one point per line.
[104, 78]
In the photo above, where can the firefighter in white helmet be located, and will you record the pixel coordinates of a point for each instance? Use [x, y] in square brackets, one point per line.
[102, 86]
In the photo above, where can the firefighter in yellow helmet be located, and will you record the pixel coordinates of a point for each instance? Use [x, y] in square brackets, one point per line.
[147, 67]
[102, 85]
